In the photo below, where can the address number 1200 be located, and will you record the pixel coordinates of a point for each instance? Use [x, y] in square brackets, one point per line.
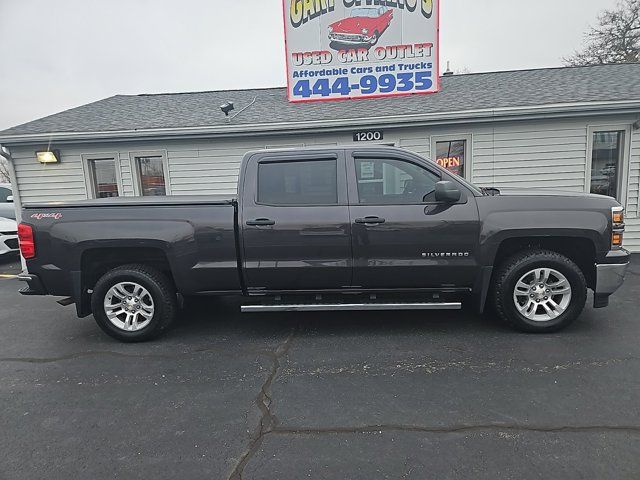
[368, 84]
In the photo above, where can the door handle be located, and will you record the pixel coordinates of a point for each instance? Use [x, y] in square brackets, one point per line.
[260, 222]
[370, 220]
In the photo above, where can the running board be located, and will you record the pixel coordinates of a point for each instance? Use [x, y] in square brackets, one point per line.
[320, 307]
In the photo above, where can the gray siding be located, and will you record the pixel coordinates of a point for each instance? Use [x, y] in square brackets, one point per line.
[37, 182]
[417, 144]
[632, 236]
[125, 174]
[549, 154]
[531, 155]
[633, 205]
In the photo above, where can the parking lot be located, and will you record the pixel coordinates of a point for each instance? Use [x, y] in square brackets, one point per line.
[327, 395]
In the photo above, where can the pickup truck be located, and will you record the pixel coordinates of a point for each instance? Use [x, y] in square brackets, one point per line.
[340, 228]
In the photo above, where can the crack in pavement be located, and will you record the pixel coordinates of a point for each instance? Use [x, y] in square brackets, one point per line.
[77, 355]
[435, 366]
[456, 429]
[268, 421]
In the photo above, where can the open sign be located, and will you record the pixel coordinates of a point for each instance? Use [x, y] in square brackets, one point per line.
[449, 162]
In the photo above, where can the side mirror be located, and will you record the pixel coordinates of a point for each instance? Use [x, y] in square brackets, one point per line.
[10, 199]
[447, 192]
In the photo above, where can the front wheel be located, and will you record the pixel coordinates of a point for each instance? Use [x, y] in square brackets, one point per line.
[134, 303]
[539, 291]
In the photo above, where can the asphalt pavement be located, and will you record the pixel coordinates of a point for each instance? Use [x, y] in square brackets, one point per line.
[403, 395]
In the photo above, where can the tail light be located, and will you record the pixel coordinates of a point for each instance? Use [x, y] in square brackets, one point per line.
[27, 244]
[617, 221]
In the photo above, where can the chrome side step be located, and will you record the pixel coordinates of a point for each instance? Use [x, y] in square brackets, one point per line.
[320, 307]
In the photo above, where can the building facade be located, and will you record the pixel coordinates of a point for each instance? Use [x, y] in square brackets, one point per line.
[574, 129]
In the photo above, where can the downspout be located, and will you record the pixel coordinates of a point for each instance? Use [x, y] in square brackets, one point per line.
[6, 154]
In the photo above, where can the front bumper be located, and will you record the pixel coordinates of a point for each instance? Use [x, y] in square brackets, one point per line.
[349, 39]
[610, 277]
[8, 243]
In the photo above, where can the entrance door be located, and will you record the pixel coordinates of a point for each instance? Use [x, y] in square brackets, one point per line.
[402, 238]
[295, 221]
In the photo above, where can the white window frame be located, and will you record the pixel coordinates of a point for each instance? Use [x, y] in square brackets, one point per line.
[89, 179]
[468, 154]
[135, 169]
[625, 164]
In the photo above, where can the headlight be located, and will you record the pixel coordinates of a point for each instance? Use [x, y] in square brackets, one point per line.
[330, 29]
[365, 31]
[617, 220]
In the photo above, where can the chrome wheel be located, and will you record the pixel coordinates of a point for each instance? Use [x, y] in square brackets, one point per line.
[129, 306]
[542, 294]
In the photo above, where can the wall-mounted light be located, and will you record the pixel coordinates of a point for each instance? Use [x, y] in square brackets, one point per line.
[48, 156]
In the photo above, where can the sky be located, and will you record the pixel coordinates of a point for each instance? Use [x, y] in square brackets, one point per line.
[56, 55]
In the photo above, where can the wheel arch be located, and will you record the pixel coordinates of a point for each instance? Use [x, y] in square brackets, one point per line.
[579, 249]
[96, 261]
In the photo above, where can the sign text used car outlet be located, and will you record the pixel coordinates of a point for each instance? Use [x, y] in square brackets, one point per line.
[340, 49]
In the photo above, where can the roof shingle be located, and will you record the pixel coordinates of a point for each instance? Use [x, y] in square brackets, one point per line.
[522, 88]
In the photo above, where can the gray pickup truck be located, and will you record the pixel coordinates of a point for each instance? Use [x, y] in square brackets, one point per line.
[370, 228]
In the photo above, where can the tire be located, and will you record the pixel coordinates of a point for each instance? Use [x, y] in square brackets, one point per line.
[375, 38]
[539, 309]
[153, 306]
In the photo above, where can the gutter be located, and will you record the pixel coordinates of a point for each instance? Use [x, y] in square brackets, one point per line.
[561, 110]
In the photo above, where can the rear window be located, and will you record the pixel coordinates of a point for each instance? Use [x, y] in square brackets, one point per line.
[313, 182]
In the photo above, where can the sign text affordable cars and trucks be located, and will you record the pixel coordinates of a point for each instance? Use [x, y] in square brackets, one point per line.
[360, 48]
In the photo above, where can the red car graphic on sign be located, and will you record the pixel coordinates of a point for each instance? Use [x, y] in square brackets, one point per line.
[363, 28]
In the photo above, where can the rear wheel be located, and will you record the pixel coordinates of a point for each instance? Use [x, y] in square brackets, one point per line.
[134, 303]
[539, 291]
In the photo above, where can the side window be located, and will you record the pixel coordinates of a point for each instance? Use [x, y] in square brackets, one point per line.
[4, 193]
[394, 182]
[150, 171]
[606, 162]
[104, 182]
[298, 183]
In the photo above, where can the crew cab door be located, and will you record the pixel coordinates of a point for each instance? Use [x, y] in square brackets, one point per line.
[295, 222]
[401, 237]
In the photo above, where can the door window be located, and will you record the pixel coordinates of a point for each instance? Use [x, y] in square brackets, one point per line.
[394, 182]
[312, 182]
[606, 158]
[451, 154]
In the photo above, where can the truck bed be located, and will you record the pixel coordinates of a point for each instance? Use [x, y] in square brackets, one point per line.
[193, 237]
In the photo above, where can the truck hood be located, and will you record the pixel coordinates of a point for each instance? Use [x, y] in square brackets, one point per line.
[8, 225]
[540, 192]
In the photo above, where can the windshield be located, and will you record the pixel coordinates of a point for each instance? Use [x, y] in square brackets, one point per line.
[364, 12]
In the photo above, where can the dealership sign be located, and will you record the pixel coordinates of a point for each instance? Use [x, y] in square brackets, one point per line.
[340, 49]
